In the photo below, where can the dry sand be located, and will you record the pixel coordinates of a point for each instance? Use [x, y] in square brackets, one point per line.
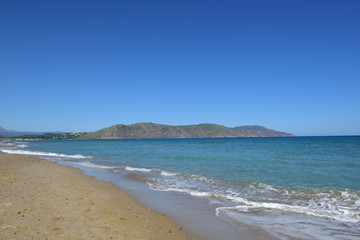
[40, 199]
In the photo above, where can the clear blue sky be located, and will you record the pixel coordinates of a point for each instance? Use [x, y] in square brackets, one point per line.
[84, 65]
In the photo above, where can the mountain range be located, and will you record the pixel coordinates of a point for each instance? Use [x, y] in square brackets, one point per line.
[153, 130]
[206, 130]
[11, 133]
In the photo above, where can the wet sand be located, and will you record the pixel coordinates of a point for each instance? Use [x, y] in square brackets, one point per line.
[40, 199]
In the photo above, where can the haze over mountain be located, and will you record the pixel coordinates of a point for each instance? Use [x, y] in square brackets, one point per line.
[206, 130]
[11, 133]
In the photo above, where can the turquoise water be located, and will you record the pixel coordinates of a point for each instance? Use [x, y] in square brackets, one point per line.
[271, 181]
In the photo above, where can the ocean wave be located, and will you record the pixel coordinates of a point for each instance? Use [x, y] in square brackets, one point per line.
[335, 214]
[22, 146]
[46, 154]
[168, 174]
[344, 208]
[6, 144]
[134, 169]
[328, 208]
[147, 170]
[342, 205]
[94, 165]
[181, 190]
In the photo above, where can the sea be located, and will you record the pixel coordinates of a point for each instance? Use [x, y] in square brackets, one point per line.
[228, 188]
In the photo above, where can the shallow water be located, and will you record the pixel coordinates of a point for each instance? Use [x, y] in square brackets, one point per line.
[289, 188]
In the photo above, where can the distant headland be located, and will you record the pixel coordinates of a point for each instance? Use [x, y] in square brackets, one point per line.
[152, 130]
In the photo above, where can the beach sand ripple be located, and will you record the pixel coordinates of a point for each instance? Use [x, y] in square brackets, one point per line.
[43, 200]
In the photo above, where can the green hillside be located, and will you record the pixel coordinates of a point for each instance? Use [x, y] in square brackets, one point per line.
[152, 130]
[260, 131]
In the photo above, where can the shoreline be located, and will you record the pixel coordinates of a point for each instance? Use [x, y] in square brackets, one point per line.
[43, 199]
[207, 209]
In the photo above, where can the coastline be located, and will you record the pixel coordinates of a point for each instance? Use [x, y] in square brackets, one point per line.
[208, 208]
[41, 199]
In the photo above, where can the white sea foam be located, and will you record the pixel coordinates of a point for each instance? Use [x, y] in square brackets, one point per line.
[94, 165]
[341, 206]
[133, 169]
[181, 190]
[259, 197]
[22, 146]
[6, 144]
[336, 214]
[46, 154]
[168, 174]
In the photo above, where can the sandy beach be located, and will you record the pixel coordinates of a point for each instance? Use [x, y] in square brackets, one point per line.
[40, 199]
